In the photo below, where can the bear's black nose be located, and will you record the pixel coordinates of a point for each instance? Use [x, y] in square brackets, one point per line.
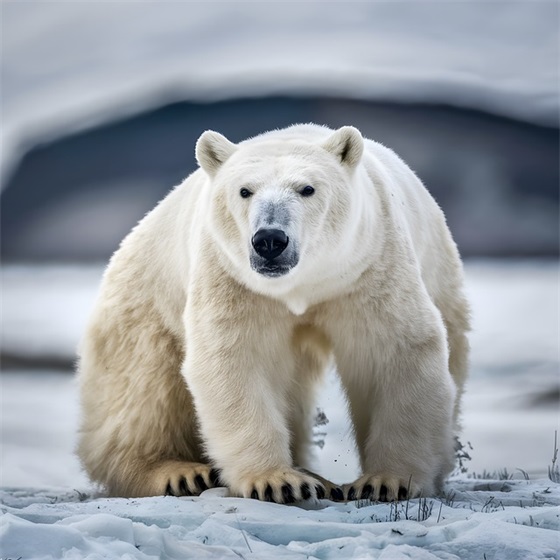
[269, 243]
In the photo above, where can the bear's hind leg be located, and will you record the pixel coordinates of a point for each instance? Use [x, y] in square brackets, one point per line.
[139, 434]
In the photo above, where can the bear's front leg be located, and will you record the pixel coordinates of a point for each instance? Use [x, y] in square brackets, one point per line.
[401, 399]
[239, 368]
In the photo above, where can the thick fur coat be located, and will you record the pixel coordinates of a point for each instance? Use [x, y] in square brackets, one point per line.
[222, 309]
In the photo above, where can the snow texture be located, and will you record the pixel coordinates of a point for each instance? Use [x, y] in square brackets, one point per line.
[509, 520]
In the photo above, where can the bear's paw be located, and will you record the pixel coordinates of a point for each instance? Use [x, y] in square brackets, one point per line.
[381, 488]
[187, 479]
[283, 486]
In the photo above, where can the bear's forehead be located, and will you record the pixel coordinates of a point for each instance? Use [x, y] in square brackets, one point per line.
[277, 148]
[276, 170]
[278, 158]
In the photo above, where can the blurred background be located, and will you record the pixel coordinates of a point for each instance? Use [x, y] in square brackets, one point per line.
[102, 103]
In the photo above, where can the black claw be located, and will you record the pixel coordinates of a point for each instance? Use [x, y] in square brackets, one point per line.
[215, 477]
[288, 494]
[320, 492]
[268, 494]
[366, 492]
[255, 495]
[183, 488]
[305, 491]
[199, 481]
[383, 493]
[403, 493]
[337, 495]
[169, 490]
[351, 493]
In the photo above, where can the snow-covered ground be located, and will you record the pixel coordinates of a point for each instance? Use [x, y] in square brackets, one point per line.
[498, 520]
[50, 511]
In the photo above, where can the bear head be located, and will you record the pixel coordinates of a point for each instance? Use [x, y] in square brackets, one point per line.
[282, 205]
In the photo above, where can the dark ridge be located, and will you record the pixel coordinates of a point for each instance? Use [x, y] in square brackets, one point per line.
[76, 197]
[10, 361]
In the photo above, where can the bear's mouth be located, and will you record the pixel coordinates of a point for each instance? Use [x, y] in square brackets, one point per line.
[273, 268]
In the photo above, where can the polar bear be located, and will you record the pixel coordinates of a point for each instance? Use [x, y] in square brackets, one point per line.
[220, 312]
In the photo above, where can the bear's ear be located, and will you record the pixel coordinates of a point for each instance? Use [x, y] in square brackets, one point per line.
[347, 145]
[212, 151]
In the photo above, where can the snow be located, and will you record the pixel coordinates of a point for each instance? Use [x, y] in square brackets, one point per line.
[58, 76]
[49, 510]
[507, 520]
[45, 308]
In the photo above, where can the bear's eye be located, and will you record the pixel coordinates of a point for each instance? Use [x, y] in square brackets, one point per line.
[307, 191]
[245, 193]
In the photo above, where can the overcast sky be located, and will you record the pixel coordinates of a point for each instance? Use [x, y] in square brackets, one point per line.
[67, 65]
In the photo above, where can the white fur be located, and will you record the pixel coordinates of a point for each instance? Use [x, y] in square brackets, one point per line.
[377, 286]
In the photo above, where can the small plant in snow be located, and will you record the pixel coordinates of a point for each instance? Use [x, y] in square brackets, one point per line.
[81, 495]
[554, 469]
[491, 505]
[424, 509]
[319, 435]
[502, 474]
[448, 498]
[462, 456]
[320, 418]
[364, 503]
[525, 474]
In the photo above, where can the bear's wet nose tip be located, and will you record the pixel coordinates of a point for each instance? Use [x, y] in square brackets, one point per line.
[270, 243]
